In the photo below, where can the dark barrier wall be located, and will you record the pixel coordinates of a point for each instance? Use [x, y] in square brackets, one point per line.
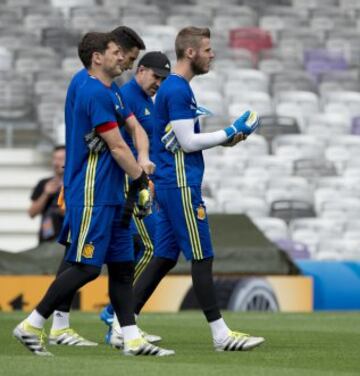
[240, 248]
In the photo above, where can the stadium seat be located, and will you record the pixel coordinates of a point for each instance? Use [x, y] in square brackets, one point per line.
[311, 4]
[253, 39]
[275, 165]
[21, 177]
[6, 59]
[272, 126]
[275, 23]
[263, 106]
[20, 157]
[253, 207]
[15, 93]
[66, 5]
[178, 21]
[306, 100]
[291, 80]
[273, 228]
[226, 23]
[18, 242]
[339, 250]
[295, 250]
[291, 209]
[70, 65]
[14, 200]
[45, 57]
[298, 146]
[312, 169]
[336, 123]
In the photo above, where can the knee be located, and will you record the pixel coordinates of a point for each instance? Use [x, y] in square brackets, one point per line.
[89, 272]
[122, 272]
[164, 264]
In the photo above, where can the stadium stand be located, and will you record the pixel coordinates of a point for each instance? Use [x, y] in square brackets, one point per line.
[293, 61]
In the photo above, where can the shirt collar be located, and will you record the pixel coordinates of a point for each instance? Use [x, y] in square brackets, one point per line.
[134, 83]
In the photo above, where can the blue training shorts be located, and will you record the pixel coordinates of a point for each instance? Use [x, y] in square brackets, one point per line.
[182, 224]
[94, 235]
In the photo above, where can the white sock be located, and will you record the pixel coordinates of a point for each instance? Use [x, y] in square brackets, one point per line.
[130, 332]
[36, 320]
[219, 330]
[116, 326]
[60, 320]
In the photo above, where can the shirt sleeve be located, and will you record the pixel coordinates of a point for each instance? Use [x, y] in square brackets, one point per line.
[101, 109]
[38, 190]
[180, 105]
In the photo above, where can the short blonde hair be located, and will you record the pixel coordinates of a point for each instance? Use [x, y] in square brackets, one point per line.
[189, 37]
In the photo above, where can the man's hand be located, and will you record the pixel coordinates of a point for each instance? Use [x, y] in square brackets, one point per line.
[235, 140]
[170, 141]
[138, 186]
[52, 186]
[144, 203]
[94, 142]
[147, 165]
[246, 124]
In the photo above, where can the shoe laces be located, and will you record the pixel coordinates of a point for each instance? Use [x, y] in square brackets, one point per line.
[238, 334]
[42, 337]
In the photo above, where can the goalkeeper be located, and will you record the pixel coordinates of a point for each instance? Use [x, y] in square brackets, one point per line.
[151, 70]
[182, 221]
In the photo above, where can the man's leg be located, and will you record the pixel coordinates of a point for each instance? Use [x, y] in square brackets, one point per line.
[61, 333]
[195, 241]
[120, 263]
[30, 331]
[143, 231]
[147, 283]
[89, 244]
[164, 259]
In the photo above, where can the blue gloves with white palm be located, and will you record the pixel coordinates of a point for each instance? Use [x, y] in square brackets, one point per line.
[245, 124]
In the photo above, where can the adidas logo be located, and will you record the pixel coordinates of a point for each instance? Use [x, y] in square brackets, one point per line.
[146, 112]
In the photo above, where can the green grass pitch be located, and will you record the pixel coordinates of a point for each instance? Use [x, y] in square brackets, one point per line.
[296, 344]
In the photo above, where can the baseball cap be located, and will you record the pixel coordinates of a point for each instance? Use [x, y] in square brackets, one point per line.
[157, 61]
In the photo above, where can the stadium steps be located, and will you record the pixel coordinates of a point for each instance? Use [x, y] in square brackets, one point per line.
[20, 170]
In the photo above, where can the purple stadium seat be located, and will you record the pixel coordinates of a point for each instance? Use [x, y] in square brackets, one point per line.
[319, 61]
[355, 126]
[294, 249]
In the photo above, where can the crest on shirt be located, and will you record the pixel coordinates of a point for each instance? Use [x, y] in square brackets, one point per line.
[201, 213]
[88, 251]
[146, 112]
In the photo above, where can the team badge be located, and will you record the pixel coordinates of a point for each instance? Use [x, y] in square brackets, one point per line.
[88, 251]
[201, 213]
[147, 112]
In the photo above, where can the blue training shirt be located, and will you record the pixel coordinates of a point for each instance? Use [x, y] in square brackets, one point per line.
[142, 107]
[175, 101]
[77, 83]
[91, 178]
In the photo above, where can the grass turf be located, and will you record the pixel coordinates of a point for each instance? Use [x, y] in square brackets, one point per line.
[296, 344]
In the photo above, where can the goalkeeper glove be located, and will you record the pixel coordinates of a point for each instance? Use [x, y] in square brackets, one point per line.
[94, 142]
[138, 186]
[170, 141]
[245, 124]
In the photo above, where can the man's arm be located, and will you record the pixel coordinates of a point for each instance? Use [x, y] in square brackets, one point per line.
[121, 152]
[141, 143]
[191, 141]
